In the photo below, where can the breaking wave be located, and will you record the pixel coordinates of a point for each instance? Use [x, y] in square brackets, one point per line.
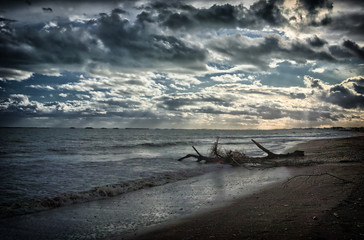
[111, 190]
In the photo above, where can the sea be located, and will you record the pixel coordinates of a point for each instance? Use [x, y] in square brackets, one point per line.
[45, 168]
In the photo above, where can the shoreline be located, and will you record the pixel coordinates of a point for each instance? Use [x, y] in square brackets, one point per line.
[323, 201]
[234, 203]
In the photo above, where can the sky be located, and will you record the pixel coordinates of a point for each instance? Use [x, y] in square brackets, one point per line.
[266, 64]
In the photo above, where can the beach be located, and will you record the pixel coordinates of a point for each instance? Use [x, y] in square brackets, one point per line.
[323, 201]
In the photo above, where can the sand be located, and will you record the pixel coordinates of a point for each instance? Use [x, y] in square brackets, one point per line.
[225, 204]
[321, 201]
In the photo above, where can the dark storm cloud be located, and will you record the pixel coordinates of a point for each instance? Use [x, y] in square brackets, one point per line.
[261, 51]
[11, 4]
[135, 42]
[124, 45]
[316, 41]
[351, 3]
[269, 11]
[340, 52]
[181, 16]
[47, 9]
[341, 96]
[348, 94]
[312, 6]
[351, 23]
[26, 48]
[355, 48]
[5, 20]
[139, 45]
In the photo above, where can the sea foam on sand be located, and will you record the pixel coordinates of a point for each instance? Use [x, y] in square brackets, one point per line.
[125, 214]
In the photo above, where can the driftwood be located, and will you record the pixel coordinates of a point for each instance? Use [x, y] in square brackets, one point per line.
[237, 158]
[201, 157]
[273, 155]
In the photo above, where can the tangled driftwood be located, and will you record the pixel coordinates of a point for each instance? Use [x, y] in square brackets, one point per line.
[237, 158]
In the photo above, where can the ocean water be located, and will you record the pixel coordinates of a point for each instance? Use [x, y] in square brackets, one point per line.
[48, 168]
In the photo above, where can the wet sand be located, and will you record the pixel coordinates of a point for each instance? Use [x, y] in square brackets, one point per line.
[321, 201]
[226, 204]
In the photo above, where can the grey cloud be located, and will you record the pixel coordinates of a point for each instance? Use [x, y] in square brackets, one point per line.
[340, 52]
[66, 47]
[347, 94]
[313, 115]
[139, 114]
[26, 48]
[297, 95]
[175, 102]
[341, 96]
[6, 20]
[351, 3]
[20, 106]
[355, 48]
[47, 9]
[316, 41]
[124, 103]
[268, 112]
[352, 23]
[134, 46]
[272, 112]
[269, 11]
[312, 6]
[260, 52]
[359, 89]
[181, 16]
[313, 83]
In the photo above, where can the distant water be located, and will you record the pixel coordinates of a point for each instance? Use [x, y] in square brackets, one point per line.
[47, 168]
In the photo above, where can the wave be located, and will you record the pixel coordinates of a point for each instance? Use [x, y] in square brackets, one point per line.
[28, 206]
[103, 147]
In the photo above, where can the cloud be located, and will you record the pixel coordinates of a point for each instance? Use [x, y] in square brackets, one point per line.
[313, 83]
[13, 74]
[46, 87]
[183, 63]
[355, 48]
[316, 41]
[313, 6]
[6, 20]
[29, 49]
[340, 52]
[111, 41]
[18, 103]
[47, 9]
[230, 78]
[179, 16]
[260, 52]
[349, 23]
[297, 95]
[348, 94]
